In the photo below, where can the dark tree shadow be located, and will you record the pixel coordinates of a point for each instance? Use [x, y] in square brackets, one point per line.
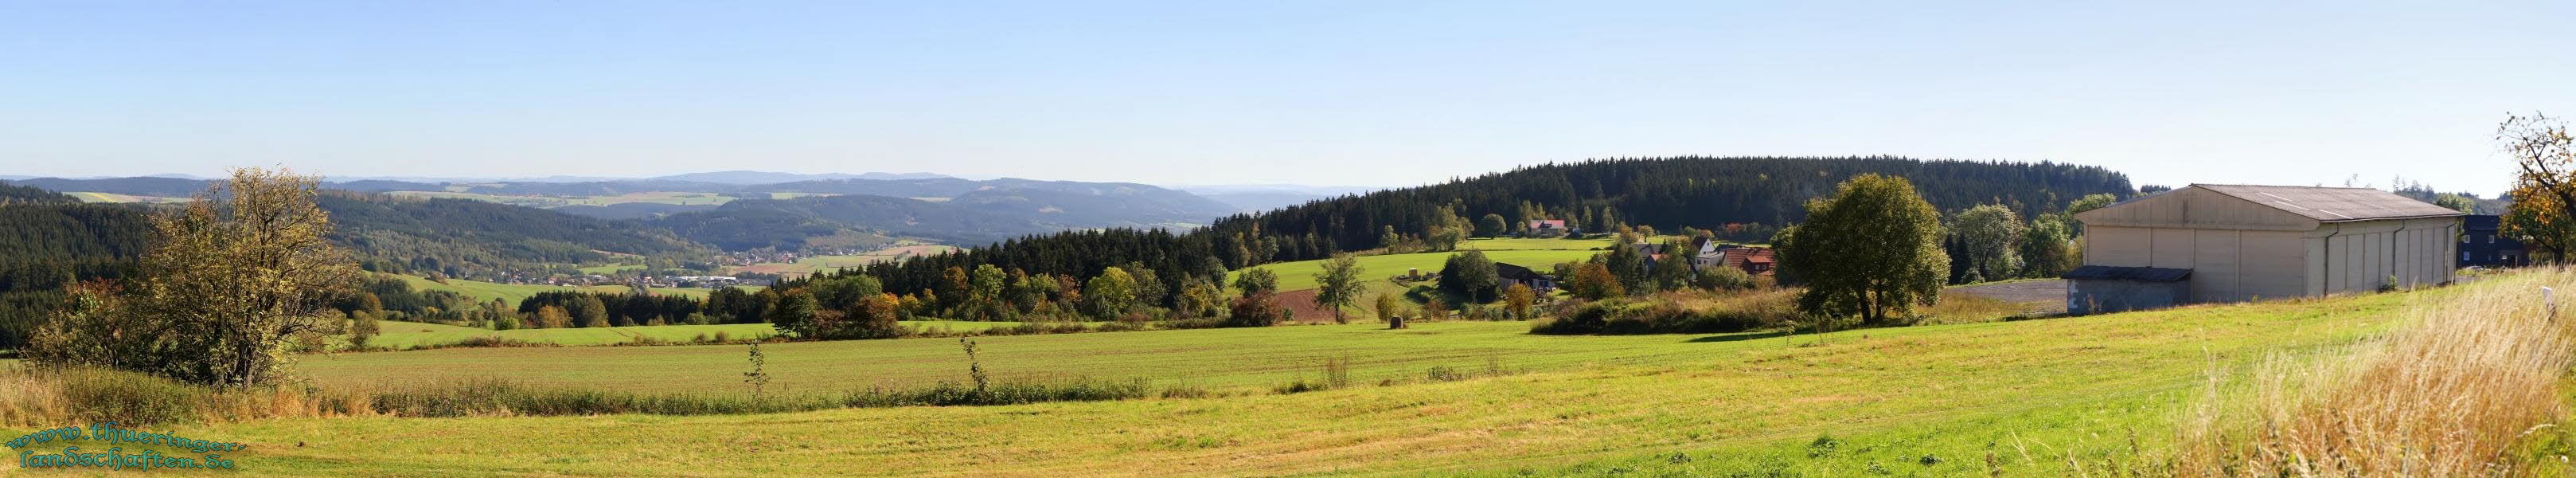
[1739, 337]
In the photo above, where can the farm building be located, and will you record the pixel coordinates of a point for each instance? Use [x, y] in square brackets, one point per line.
[1512, 274]
[1546, 228]
[2483, 244]
[2225, 243]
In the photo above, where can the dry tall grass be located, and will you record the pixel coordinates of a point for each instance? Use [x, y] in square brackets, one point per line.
[2458, 391]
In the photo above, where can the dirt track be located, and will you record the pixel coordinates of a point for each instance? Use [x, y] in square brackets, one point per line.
[2044, 296]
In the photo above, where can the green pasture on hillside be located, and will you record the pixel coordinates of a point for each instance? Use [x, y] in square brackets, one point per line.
[2022, 398]
[395, 334]
[1300, 275]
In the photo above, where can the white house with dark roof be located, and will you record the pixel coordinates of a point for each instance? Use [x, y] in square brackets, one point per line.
[2226, 243]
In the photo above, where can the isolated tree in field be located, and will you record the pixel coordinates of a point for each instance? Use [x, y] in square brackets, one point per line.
[1490, 226]
[1257, 310]
[1593, 281]
[1255, 281]
[1340, 285]
[1110, 294]
[2544, 190]
[1871, 250]
[231, 280]
[1989, 240]
[1387, 306]
[1517, 299]
[1470, 275]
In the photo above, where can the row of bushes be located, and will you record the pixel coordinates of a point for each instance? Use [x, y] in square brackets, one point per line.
[1678, 312]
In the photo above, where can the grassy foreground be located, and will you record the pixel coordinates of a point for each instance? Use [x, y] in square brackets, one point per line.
[2030, 398]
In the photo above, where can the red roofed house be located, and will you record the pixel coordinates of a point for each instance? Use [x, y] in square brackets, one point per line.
[1546, 228]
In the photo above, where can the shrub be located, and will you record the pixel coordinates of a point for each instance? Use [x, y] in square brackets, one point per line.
[1260, 309]
[128, 398]
[1674, 313]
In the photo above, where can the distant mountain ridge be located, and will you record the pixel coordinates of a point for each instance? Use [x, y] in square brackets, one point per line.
[959, 211]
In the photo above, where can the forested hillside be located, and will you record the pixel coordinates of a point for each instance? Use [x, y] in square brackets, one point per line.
[139, 185]
[467, 238]
[978, 215]
[1667, 193]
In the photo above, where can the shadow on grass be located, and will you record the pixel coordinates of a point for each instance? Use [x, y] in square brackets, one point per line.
[1738, 337]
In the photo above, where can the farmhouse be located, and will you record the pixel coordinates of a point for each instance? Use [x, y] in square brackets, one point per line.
[1753, 260]
[2483, 244]
[1547, 228]
[2225, 243]
[1512, 274]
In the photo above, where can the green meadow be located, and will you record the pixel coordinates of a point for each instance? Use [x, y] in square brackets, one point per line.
[2052, 397]
[1300, 275]
[398, 335]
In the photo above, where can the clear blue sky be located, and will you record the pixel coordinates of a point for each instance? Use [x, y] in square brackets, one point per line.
[1381, 93]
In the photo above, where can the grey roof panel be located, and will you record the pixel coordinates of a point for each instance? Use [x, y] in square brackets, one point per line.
[2149, 274]
[2333, 204]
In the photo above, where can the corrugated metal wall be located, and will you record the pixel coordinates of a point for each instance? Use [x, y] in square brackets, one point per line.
[2238, 250]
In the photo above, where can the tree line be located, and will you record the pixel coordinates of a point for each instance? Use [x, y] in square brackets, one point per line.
[1670, 193]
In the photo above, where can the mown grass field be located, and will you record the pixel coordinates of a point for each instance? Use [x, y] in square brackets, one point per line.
[1300, 275]
[2017, 398]
[1519, 243]
[395, 334]
[813, 264]
[99, 197]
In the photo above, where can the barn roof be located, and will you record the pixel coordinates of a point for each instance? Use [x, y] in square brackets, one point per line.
[2333, 204]
[2149, 274]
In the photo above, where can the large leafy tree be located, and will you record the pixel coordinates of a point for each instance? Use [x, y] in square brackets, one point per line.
[2048, 247]
[2544, 190]
[1989, 241]
[1111, 293]
[1872, 250]
[1339, 285]
[1469, 275]
[230, 281]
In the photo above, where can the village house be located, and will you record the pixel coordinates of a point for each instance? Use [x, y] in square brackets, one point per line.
[1512, 274]
[2483, 244]
[1546, 228]
[1752, 260]
[2227, 243]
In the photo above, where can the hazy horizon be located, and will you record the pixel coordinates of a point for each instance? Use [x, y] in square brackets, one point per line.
[1357, 93]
